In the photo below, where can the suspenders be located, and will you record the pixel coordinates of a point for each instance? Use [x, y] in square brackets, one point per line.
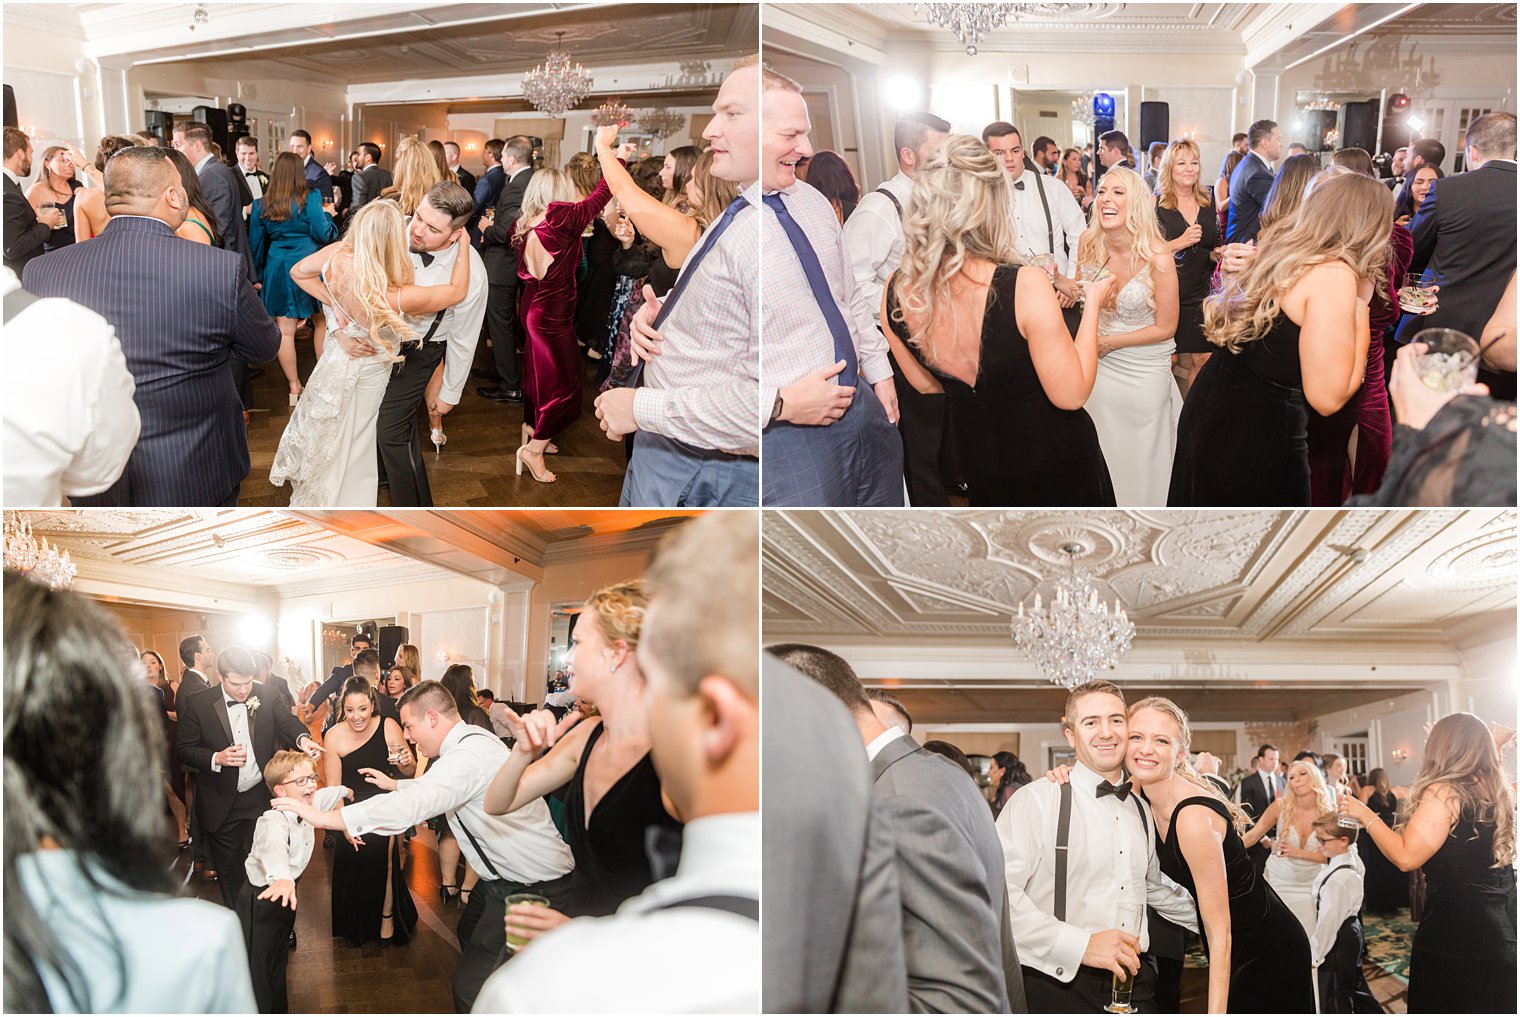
[892, 198]
[1063, 840]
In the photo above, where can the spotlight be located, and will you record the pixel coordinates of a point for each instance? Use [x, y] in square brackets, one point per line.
[902, 92]
[1398, 102]
[1416, 123]
[1103, 106]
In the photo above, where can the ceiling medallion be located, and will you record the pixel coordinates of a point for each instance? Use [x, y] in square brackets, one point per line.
[1073, 626]
[34, 558]
[556, 86]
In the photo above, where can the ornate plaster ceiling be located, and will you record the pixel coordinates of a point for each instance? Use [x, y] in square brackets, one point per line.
[1243, 575]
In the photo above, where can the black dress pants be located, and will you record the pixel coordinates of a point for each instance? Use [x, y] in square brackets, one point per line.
[266, 927]
[501, 318]
[232, 839]
[398, 433]
[483, 932]
[1089, 992]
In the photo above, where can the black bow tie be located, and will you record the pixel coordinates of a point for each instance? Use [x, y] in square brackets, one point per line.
[250, 173]
[427, 259]
[1122, 791]
[233, 702]
[1019, 185]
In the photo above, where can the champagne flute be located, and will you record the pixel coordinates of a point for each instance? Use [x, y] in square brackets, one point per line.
[1130, 918]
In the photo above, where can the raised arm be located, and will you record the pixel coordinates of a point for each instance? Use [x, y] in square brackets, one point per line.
[1268, 821]
[415, 299]
[676, 234]
[522, 780]
[1066, 369]
[1427, 829]
[318, 223]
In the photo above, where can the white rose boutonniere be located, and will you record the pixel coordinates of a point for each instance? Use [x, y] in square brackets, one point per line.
[253, 705]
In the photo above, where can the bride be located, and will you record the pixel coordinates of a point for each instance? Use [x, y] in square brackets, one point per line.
[1134, 402]
[365, 284]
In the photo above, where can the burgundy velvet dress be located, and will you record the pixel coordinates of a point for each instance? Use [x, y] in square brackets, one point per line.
[1333, 477]
[552, 369]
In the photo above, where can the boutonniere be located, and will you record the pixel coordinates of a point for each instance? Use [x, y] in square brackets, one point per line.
[253, 705]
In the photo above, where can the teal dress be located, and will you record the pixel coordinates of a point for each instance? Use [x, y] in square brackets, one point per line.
[277, 246]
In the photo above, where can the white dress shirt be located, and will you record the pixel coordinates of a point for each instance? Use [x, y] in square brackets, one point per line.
[460, 327]
[649, 960]
[1111, 855]
[69, 418]
[282, 841]
[252, 180]
[1337, 900]
[523, 846]
[1033, 235]
[237, 716]
[874, 236]
[797, 337]
[881, 741]
[204, 159]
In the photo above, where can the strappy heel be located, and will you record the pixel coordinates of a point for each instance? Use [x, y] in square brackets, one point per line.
[527, 436]
[544, 477]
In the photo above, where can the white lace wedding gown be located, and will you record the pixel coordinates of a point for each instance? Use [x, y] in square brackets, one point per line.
[1293, 879]
[1134, 403]
[328, 449]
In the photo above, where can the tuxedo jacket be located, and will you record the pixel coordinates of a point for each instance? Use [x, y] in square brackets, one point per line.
[1464, 241]
[182, 312]
[205, 729]
[225, 191]
[1253, 794]
[467, 180]
[192, 681]
[496, 248]
[24, 235]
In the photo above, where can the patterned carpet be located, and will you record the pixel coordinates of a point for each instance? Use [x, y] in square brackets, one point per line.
[1388, 942]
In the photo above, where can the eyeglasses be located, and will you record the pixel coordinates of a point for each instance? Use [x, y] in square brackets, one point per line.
[308, 781]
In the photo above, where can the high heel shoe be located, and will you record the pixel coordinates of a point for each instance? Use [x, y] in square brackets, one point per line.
[527, 436]
[439, 440]
[388, 940]
[448, 898]
[543, 478]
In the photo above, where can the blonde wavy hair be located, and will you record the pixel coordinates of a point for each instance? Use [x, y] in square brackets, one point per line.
[409, 657]
[545, 188]
[1322, 793]
[716, 193]
[415, 174]
[1145, 239]
[1184, 765]
[1344, 218]
[1166, 190]
[1289, 188]
[377, 257]
[619, 611]
[1460, 754]
[959, 209]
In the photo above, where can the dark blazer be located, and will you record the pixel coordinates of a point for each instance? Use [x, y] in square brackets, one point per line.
[1464, 241]
[226, 191]
[24, 235]
[182, 311]
[368, 183]
[467, 179]
[1249, 185]
[191, 681]
[318, 180]
[957, 937]
[487, 193]
[205, 729]
[496, 248]
[1254, 799]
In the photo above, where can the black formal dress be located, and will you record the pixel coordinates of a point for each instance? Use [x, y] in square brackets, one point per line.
[1195, 274]
[358, 877]
[1270, 968]
[1384, 888]
[1243, 436]
[611, 863]
[1463, 957]
[63, 236]
[1015, 447]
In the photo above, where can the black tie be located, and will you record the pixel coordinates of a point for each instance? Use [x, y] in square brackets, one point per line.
[1122, 791]
[427, 259]
[1018, 186]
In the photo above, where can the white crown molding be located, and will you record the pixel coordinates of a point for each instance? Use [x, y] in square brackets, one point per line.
[606, 545]
[655, 77]
[1279, 24]
[116, 580]
[392, 575]
[828, 27]
[1004, 45]
[58, 19]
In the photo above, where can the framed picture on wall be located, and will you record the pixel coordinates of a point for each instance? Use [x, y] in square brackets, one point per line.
[1063, 756]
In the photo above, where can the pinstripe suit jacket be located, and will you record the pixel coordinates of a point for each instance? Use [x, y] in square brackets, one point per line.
[181, 311]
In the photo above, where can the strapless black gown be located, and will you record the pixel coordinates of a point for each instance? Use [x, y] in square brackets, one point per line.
[1015, 446]
[1270, 968]
[358, 877]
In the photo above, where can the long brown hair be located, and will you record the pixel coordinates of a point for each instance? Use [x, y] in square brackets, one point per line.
[684, 160]
[287, 186]
[1287, 192]
[441, 157]
[1345, 218]
[716, 193]
[1461, 756]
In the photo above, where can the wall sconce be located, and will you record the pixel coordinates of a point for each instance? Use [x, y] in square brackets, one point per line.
[1400, 755]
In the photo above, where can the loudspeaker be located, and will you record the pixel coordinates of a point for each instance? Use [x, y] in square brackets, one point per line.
[216, 119]
[11, 119]
[159, 124]
[1360, 128]
[391, 637]
[237, 121]
[1155, 125]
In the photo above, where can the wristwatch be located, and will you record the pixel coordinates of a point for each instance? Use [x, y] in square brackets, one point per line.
[776, 409]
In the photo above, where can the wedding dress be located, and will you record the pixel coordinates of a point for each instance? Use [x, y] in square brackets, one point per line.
[1293, 878]
[328, 449]
[1134, 402]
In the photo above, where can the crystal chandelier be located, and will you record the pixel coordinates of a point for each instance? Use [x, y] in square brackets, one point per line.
[1068, 629]
[25, 554]
[662, 123]
[971, 23]
[557, 85]
[612, 113]
[1082, 109]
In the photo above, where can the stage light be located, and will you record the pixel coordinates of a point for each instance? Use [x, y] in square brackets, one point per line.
[1103, 106]
[1398, 102]
[1416, 123]
[257, 632]
[902, 92]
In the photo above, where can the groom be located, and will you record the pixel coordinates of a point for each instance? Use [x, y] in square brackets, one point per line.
[1071, 852]
[448, 336]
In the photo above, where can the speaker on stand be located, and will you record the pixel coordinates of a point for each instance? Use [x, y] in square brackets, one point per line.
[1360, 125]
[391, 638]
[11, 119]
[216, 119]
[1155, 125]
[237, 123]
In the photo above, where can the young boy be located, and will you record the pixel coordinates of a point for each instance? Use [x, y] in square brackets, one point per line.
[282, 844]
[1337, 947]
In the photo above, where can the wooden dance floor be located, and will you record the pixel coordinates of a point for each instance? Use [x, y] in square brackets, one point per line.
[476, 466]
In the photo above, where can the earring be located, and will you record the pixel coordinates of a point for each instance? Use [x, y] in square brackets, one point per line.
[612, 669]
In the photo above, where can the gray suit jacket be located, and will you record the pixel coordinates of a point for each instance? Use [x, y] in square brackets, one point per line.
[832, 937]
[956, 929]
[368, 183]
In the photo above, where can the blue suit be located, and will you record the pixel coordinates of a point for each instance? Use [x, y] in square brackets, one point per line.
[318, 180]
[487, 193]
[182, 312]
[1249, 185]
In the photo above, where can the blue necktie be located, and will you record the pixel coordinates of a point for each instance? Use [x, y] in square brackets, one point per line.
[636, 376]
[844, 345]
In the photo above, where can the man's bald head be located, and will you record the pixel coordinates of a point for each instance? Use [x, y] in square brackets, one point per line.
[144, 181]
